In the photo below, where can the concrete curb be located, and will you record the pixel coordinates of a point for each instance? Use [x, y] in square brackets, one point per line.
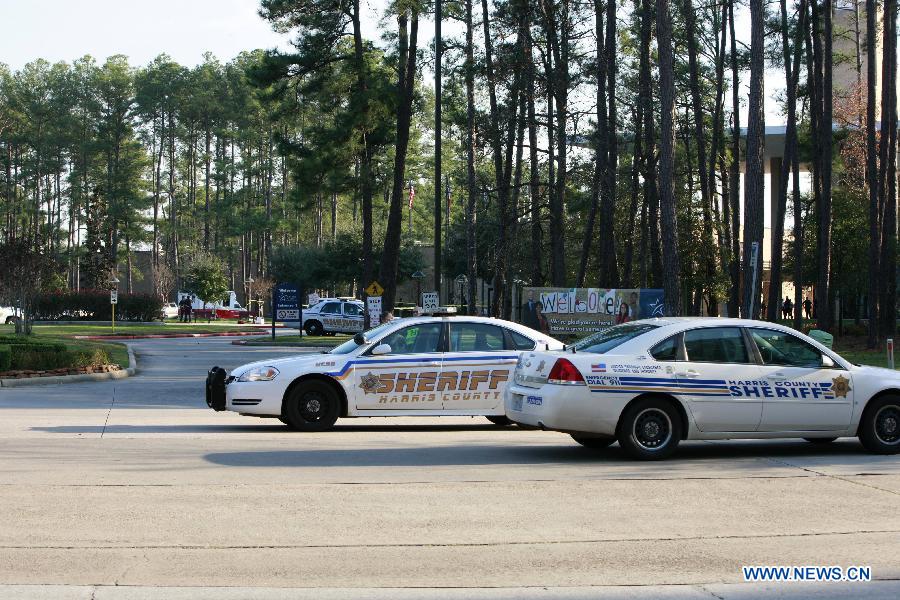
[154, 336]
[60, 379]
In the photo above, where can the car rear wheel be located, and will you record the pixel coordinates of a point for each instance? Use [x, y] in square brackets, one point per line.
[879, 429]
[650, 429]
[501, 420]
[313, 328]
[822, 440]
[311, 406]
[594, 442]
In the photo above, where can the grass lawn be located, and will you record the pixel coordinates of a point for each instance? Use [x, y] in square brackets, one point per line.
[317, 341]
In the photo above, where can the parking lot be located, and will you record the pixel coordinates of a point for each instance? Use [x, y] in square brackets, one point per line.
[136, 483]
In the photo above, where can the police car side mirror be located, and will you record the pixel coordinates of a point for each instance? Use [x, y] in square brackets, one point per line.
[359, 339]
[381, 349]
[827, 362]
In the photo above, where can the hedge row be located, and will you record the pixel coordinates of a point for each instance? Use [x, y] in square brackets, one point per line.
[93, 305]
[29, 354]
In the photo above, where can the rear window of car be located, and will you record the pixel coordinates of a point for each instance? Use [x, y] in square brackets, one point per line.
[521, 342]
[607, 339]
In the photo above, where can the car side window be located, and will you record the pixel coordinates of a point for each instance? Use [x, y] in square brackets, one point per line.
[475, 337]
[351, 310]
[415, 339]
[782, 348]
[666, 349]
[331, 308]
[716, 345]
[521, 342]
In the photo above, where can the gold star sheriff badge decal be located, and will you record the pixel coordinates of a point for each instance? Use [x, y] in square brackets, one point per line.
[368, 382]
[840, 385]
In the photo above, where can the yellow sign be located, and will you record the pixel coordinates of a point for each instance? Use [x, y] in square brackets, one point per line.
[374, 289]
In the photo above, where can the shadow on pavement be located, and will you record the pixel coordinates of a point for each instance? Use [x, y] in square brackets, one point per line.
[271, 426]
[484, 454]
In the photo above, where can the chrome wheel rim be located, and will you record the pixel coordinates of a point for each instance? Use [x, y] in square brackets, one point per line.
[887, 425]
[652, 429]
[312, 406]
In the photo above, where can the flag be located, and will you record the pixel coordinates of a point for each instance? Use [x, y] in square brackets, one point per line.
[412, 194]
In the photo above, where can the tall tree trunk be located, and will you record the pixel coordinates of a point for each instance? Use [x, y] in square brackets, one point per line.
[601, 152]
[888, 172]
[651, 193]
[670, 258]
[409, 29]
[708, 250]
[791, 73]
[734, 176]
[558, 48]
[471, 190]
[609, 269]
[534, 181]
[872, 172]
[823, 241]
[753, 178]
[438, 50]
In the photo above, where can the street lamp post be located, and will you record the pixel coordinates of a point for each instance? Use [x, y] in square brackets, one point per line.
[113, 300]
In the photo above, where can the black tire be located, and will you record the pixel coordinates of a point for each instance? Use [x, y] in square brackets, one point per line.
[820, 441]
[650, 429]
[500, 420]
[314, 328]
[311, 406]
[879, 429]
[594, 442]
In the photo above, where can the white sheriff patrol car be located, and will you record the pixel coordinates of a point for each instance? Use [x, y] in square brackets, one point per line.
[332, 315]
[650, 384]
[421, 366]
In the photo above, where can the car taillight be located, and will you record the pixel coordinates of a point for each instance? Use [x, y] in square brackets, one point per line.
[564, 372]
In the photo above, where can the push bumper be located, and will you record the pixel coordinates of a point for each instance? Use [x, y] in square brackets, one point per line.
[215, 388]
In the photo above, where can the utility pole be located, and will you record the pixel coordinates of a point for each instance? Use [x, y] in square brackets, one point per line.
[438, 9]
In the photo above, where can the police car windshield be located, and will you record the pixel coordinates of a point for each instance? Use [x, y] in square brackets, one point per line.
[607, 339]
[350, 345]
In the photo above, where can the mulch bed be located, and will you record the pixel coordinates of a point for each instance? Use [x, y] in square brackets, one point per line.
[57, 372]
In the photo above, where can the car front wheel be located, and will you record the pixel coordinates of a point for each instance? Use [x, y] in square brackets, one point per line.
[650, 429]
[879, 430]
[313, 328]
[311, 406]
[501, 420]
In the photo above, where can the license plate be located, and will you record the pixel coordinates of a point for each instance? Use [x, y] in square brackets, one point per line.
[535, 400]
[517, 402]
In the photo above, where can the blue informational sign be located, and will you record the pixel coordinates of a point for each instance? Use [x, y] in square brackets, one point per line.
[287, 302]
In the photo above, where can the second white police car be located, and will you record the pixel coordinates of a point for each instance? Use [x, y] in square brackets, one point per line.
[650, 384]
[420, 366]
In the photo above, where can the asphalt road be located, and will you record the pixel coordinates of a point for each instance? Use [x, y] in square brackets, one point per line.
[113, 489]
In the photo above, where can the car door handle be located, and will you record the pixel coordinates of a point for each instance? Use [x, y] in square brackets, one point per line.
[690, 373]
[431, 364]
[776, 375]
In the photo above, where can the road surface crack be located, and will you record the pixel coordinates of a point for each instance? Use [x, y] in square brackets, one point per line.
[109, 412]
[845, 479]
[452, 544]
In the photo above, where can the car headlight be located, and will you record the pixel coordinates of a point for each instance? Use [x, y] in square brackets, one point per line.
[259, 374]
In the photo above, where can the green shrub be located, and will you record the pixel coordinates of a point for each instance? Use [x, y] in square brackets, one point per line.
[30, 360]
[5, 357]
[68, 305]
